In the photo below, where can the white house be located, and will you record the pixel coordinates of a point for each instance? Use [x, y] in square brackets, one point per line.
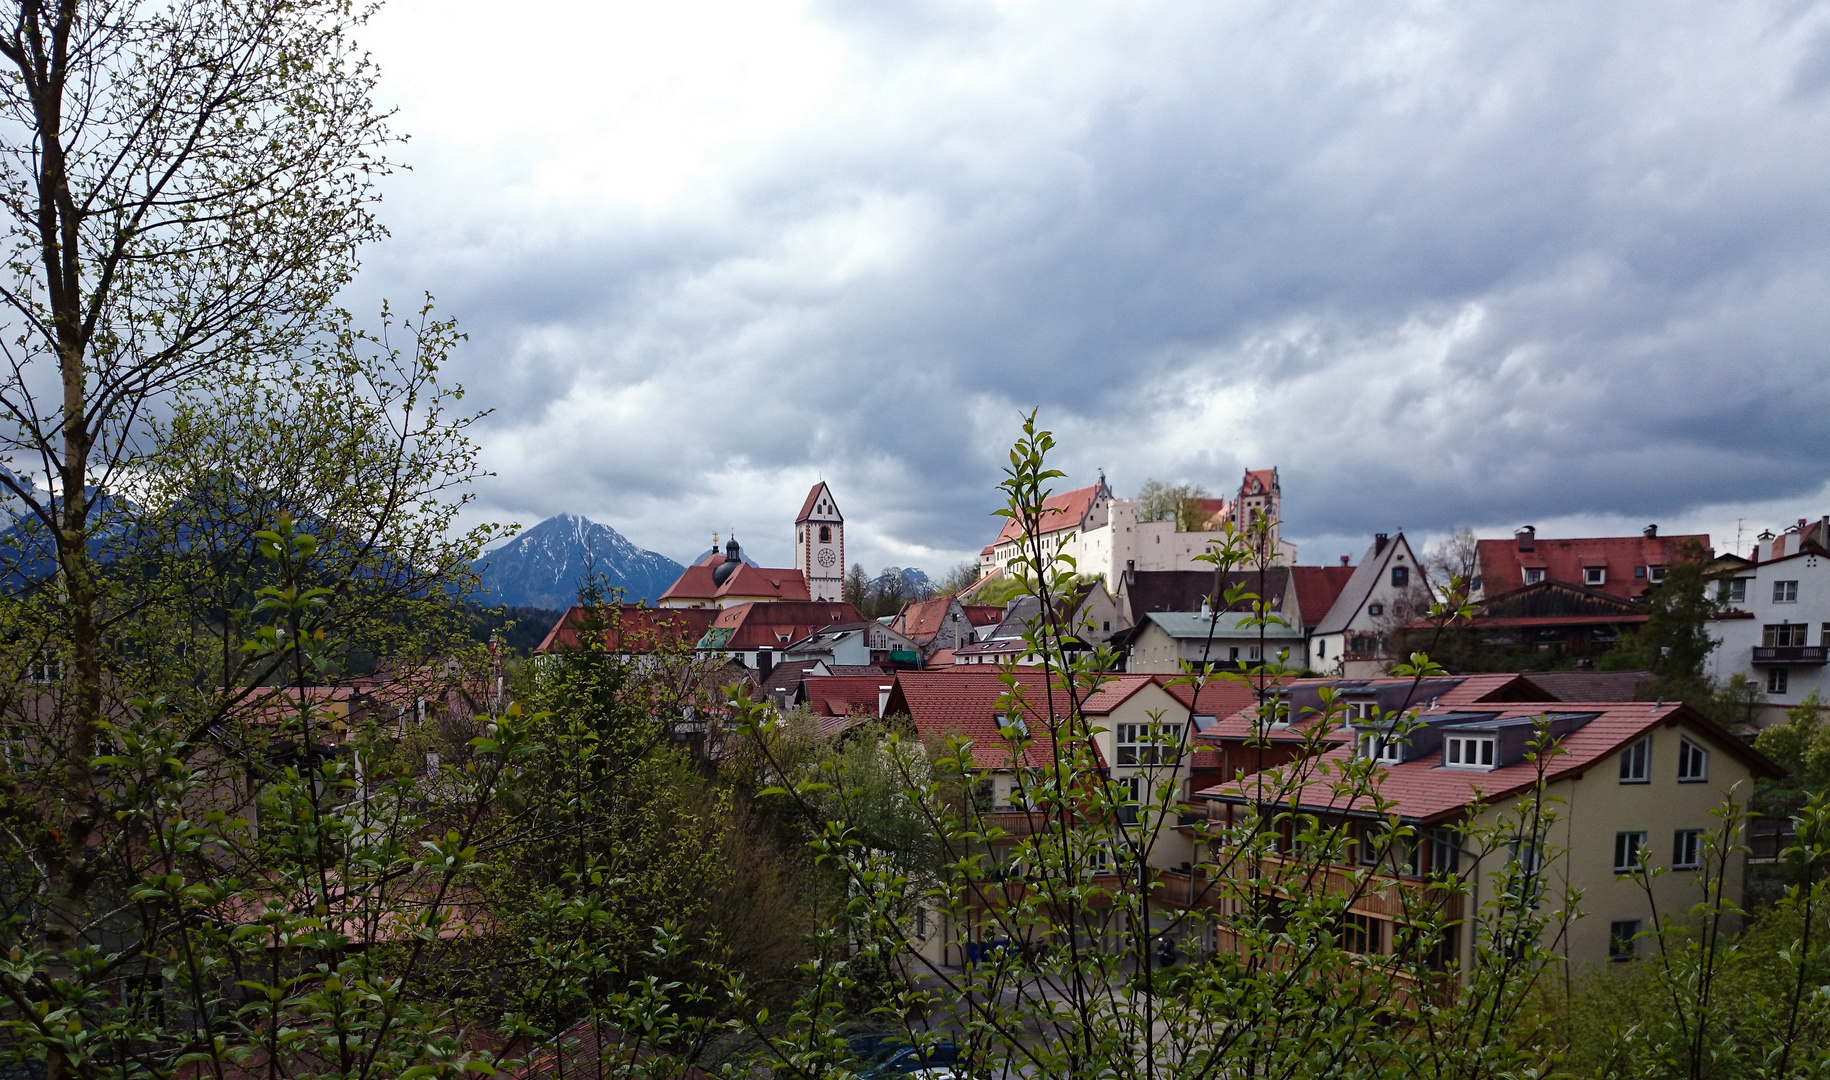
[1351, 639]
[1774, 626]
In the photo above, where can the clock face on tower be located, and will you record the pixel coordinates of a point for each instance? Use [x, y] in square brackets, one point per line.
[826, 557]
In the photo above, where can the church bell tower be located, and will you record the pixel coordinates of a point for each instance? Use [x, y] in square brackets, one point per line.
[819, 545]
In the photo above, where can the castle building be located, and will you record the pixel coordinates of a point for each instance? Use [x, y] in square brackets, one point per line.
[819, 544]
[1105, 537]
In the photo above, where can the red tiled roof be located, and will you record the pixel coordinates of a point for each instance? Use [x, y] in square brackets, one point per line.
[1219, 697]
[964, 701]
[1449, 691]
[760, 624]
[844, 695]
[632, 628]
[1423, 790]
[813, 496]
[984, 614]
[942, 658]
[1062, 511]
[696, 583]
[1266, 478]
[920, 620]
[1502, 564]
[1317, 588]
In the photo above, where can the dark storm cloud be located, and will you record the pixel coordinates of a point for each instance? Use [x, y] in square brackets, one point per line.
[1439, 263]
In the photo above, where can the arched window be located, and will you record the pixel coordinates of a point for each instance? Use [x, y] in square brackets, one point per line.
[826, 534]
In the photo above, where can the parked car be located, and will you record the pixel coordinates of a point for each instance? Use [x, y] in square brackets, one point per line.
[939, 1061]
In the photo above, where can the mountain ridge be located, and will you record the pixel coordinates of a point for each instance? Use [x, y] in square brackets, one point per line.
[544, 566]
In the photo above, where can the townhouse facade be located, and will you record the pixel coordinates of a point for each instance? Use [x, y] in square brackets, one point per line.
[1773, 622]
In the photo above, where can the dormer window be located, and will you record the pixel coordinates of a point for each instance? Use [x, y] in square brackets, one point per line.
[1381, 748]
[1534, 574]
[1655, 574]
[1468, 751]
[1594, 575]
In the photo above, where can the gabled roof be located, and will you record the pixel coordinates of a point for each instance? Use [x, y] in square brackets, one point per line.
[763, 625]
[813, 496]
[1231, 626]
[1259, 481]
[754, 582]
[632, 629]
[1317, 588]
[1502, 563]
[1591, 685]
[1065, 510]
[963, 700]
[1219, 698]
[1390, 693]
[983, 614]
[1365, 578]
[921, 620]
[1425, 791]
[1145, 591]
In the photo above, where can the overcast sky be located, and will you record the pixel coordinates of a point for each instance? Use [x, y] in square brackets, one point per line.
[1441, 264]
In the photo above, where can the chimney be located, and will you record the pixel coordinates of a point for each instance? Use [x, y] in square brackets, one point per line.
[1527, 536]
[1651, 532]
[1346, 560]
[883, 700]
[1801, 524]
[1379, 542]
[765, 662]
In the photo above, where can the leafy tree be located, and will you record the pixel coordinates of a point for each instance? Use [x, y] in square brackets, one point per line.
[1674, 642]
[187, 184]
[857, 587]
[1801, 745]
[958, 579]
[1157, 501]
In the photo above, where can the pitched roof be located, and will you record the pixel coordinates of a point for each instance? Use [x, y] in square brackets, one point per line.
[1065, 510]
[1219, 698]
[845, 695]
[1231, 626]
[772, 625]
[1591, 685]
[920, 620]
[1502, 564]
[963, 700]
[1425, 790]
[1361, 584]
[984, 614]
[632, 629]
[1146, 591]
[813, 496]
[1258, 481]
[696, 583]
[1389, 692]
[1317, 588]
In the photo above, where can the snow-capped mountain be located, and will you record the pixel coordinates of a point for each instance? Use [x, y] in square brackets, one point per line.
[544, 566]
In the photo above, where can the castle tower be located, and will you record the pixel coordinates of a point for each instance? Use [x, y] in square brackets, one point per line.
[819, 545]
[1259, 496]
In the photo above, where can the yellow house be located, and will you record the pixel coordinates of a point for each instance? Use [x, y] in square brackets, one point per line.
[1632, 784]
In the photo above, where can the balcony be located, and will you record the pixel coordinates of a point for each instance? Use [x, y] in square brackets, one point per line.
[1789, 654]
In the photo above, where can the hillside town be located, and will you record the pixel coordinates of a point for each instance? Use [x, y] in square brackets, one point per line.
[316, 765]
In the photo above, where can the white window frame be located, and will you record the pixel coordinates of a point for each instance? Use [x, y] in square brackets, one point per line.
[1636, 762]
[1594, 575]
[1785, 592]
[1375, 746]
[1629, 851]
[1655, 574]
[1147, 744]
[1777, 680]
[1687, 849]
[1478, 752]
[1737, 590]
[1693, 761]
[1534, 574]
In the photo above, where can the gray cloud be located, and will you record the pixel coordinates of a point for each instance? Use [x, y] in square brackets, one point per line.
[1441, 264]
